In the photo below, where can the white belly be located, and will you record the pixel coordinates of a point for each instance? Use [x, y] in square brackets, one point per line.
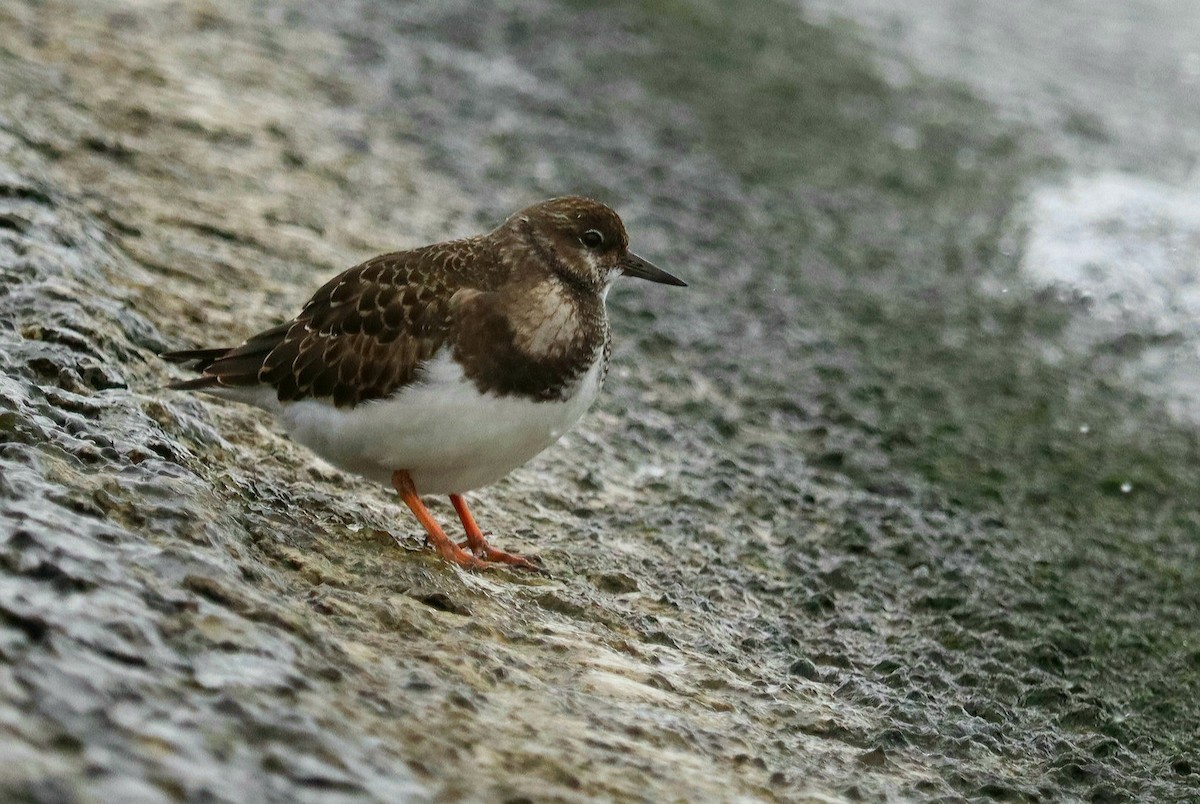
[447, 435]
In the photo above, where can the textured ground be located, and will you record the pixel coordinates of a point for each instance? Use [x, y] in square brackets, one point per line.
[849, 523]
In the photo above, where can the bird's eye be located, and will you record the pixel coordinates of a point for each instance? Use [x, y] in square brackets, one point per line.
[592, 239]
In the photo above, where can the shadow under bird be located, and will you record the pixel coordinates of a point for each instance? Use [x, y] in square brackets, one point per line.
[441, 369]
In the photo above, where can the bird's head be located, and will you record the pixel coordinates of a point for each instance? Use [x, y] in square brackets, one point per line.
[583, 242]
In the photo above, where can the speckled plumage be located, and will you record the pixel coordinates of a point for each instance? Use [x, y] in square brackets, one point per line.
[451, 364]
[366, 333]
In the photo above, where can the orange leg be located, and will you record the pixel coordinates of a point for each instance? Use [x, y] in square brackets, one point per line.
[450, 551]
[478, 545]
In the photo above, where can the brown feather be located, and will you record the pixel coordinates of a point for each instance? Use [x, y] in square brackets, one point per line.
[519, 309]
[377, 313]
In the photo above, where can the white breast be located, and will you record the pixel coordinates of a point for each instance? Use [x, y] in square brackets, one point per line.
[449, 437]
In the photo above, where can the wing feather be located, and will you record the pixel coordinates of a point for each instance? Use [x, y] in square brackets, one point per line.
[363, 335]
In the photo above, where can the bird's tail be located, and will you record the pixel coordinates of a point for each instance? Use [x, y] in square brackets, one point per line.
[228, 366]
[202, 359]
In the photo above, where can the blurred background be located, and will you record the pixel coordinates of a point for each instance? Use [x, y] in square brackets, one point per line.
[897, 501]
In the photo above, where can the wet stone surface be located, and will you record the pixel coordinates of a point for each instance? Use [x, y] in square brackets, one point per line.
[848, 523]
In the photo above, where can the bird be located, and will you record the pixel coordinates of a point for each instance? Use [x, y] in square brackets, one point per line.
[439, 370]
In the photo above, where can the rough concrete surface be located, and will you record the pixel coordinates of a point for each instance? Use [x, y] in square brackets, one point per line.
[849, 523]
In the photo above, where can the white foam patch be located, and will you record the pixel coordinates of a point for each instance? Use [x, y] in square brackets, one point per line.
[1130, 246]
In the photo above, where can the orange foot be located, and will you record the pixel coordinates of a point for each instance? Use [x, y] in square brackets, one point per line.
[482, 555]
[478, 545]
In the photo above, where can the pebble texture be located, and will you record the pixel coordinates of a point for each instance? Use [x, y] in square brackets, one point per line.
[834, 532]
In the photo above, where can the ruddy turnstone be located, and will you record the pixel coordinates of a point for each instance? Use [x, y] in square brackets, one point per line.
[440, 370]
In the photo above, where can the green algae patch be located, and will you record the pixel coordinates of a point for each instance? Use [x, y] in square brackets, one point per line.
[943, 379]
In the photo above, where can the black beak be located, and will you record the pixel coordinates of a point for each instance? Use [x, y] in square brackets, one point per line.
[633, 265]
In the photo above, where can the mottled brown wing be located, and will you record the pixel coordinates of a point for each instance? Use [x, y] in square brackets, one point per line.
[362, 336]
